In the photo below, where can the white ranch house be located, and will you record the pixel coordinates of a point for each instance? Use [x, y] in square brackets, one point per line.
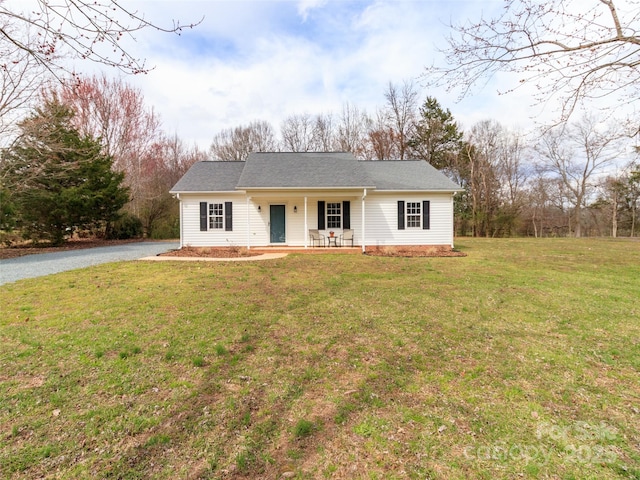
[281, 199]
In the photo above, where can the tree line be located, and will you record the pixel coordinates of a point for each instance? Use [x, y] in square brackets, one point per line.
[573, 179]
[86, 156]
[92, 159]
[81, 156]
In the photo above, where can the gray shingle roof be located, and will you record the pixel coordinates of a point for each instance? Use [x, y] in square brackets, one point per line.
[303, 170]
[210, 177]
[312, 171]
[407, 175]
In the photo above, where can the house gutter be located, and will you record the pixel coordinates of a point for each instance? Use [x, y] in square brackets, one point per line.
[177, 195]
[364, 195]
[248, 222]
[299, 189]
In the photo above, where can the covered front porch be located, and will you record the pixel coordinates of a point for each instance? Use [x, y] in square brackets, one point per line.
[309, 221]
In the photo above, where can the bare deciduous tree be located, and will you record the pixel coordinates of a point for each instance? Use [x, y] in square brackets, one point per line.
[298, 133]
[538, 204]
[512, 171]
[612, 193]
[352, 130]
[495, 174]
[402, 111]
[163, 165]
[20, 79]
[575, 154]
[382, 138]
[83, 29]
[235, 144]
[620, 195]
[115, 113]
[323, 133]
[482, 152]
[573, 50]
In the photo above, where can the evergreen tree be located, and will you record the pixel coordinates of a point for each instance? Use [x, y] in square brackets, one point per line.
[437, 138]
[59, 181]
[7, 210]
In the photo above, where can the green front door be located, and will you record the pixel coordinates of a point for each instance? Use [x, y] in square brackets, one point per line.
[276, 222]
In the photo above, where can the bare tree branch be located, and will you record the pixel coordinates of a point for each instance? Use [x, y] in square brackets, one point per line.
[20, 80]
[235, 144]
[576, 155]
[84, 29]
[569, 51]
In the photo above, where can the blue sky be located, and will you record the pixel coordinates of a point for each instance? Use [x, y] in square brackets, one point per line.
[267, 59]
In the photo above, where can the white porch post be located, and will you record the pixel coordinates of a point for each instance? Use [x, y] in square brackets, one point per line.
[306, 236]
[248, 223]
[364, 195]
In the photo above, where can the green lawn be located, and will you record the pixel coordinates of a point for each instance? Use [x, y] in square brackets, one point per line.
[520, 360]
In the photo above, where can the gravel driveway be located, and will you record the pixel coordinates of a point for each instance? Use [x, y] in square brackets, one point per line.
[31, 266]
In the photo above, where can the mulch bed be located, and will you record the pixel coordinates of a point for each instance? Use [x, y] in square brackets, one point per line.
[212, 252]
[414, 251]
[220, 252]
[235, 252]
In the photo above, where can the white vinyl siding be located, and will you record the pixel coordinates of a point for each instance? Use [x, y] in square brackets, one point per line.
[216, 234]
[381, 222]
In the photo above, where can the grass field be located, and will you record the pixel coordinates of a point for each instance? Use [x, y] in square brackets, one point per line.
[520, 360]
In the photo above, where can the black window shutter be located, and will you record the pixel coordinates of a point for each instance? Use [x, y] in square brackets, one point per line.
[203, 217]
[400, 214]
[346, 214]
[425, 214]
[320, 214]
[228, 216]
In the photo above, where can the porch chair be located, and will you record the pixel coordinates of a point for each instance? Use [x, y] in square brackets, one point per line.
[347, 236]
[316, 237]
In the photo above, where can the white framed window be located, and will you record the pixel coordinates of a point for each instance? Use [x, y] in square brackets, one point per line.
[334, 214]
[414, 214]
[216, 216]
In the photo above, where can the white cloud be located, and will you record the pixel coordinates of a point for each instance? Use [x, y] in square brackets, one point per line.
[286, 73]
[265, 60]
[305, 6]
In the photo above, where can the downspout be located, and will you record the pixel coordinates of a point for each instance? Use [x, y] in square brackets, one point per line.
[364, 195]
[248, 223]
[453, 221]
[181, 224]
[306, 230]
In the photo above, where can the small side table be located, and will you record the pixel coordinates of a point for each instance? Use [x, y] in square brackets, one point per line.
[332, 240]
